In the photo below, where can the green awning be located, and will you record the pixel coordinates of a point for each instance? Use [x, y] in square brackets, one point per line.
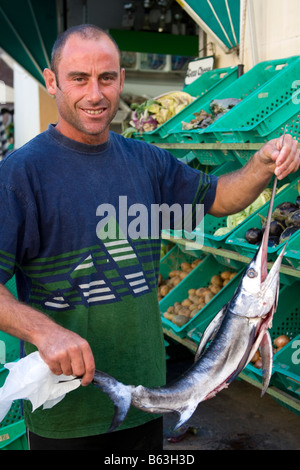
[218, 18]
[28, 29]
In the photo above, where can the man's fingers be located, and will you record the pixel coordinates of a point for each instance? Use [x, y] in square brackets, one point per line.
[70, 354]
[288, 159]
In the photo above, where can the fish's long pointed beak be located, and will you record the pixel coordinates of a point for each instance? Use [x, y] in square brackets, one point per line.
[273, 274]
[262, 255]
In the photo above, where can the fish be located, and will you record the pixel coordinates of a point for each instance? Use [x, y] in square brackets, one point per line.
[226, 347]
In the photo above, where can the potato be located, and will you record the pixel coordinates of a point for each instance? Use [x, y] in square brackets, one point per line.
[194, 298]
[192, 291]
[208, 297]
[186, 303]
[164, 290]
[194, 312]
[184, 311]
[176, 281]
[225, 275]
[183, 275]
[195, 262]
[185, 266]
[174, 273]
[177, 308]
[215, 289]
[202, 291]
[180, 320]
[216, 280]
[168, 316]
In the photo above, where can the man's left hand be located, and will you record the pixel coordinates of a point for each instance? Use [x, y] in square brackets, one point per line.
[281, 155]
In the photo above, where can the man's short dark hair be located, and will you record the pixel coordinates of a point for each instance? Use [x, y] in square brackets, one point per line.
[85, 31]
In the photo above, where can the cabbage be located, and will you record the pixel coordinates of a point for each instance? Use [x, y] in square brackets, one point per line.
[156, 111]
[264, 197]
[221, 231]
[235, 219]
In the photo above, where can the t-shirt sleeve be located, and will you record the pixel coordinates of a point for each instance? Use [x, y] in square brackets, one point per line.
[18, 231]
[192, 190]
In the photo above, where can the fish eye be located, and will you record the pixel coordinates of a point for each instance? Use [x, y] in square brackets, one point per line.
[251, 273]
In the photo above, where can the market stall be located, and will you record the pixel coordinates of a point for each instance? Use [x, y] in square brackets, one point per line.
[211, 264]
[228, 117]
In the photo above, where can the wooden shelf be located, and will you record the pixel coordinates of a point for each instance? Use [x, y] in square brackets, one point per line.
[284, 398]
[285, 269]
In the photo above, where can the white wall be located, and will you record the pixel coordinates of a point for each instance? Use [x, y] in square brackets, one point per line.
[277, 33]
[27, 112]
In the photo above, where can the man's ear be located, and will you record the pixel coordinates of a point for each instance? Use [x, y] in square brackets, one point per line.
[122, 79]
[50, 81]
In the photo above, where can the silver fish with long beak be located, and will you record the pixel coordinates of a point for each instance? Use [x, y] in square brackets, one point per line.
[226, 347]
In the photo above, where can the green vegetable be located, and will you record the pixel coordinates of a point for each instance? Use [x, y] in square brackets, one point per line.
[235, 219]
[221, 231]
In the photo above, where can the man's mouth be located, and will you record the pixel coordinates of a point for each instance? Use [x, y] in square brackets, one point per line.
[94, 111]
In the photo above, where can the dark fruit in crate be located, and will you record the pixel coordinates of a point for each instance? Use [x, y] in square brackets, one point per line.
[283, 210]
[276, 228]
[287, 233]
[273, 241]
[293, 219]
[254, 235]
[298, 201]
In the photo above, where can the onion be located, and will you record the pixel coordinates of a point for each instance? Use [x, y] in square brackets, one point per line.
[256, 356]
[281, 341]
[258, 364]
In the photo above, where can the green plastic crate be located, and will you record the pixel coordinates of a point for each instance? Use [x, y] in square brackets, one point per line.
[176, 256]
[199, 277]
[287, 367]
[13, 437]
[237, 240]
[11, 286]
[12, 428]
[264, 111]
[292, 253]
[248, 84]
[204, 88]
[206, 230]
[286, 321]
[210, 223]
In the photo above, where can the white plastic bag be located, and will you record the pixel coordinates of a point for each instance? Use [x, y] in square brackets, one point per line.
[31, 379]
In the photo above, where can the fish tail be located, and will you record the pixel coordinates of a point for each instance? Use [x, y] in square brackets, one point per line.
[119, 393]
[184, 414]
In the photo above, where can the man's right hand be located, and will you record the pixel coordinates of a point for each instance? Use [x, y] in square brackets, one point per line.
[67, 353]
[64, 351]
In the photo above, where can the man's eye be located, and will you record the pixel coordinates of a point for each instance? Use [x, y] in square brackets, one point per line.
[108, 78]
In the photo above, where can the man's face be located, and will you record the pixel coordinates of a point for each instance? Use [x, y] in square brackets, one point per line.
[90, 82]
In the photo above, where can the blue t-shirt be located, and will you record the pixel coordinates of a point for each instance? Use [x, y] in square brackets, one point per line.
[76, 230]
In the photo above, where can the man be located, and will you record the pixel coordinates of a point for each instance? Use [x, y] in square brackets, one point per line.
[88, 295]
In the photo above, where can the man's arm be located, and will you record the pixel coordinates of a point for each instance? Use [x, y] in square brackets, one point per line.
[64, 351]
[240, 188]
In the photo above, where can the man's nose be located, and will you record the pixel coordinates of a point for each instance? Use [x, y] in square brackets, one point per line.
[94, 91]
